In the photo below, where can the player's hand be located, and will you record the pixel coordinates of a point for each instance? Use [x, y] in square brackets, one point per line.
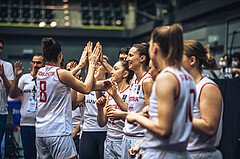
[131, 117]
[141, 155]
[83, 58]
[18, 69]
[114, 115]
[93, 59]
[133, 151]
[110, 87]
[101, 102]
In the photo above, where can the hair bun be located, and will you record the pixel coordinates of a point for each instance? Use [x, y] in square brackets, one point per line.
[47, 42]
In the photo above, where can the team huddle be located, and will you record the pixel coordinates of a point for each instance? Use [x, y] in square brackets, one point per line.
[168, 111]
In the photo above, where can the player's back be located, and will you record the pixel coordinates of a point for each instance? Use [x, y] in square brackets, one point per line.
[54, 117]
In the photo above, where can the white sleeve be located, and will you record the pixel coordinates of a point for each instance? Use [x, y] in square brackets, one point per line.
[8, 70]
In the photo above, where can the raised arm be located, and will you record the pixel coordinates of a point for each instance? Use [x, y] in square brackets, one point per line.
[7, 83]
[14, 91]
[105, 64]
[86, 87]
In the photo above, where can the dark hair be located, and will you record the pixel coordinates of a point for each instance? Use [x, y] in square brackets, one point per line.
[1, 41]
[51, 49]
[143, 50]
[39, 54]
[170, 40]
[124, 50]
[71, 61]
[203, 55]
[236, 55]
[126, 68]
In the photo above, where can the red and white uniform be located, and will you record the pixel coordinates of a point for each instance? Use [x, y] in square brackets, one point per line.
[198, 142]
[182, 115]
[136, 103]
[115, 128]
[54, 109]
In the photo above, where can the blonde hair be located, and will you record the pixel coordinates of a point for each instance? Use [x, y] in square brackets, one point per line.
[170, 40]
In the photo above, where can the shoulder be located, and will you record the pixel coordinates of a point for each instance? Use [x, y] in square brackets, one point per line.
[6, 64]
[166, 79]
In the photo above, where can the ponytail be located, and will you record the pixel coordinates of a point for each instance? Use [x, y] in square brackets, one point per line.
[170, 40]
[203, 55]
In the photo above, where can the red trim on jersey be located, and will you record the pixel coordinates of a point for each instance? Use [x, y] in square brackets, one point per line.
[202, 88]
[58, 76]
[200, 80]
[125, 89]
[141, 78]
[73, 157]
[50, 65]
[178, 85]
[133, 135]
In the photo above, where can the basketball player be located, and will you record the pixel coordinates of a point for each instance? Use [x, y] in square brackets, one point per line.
[54, 108]
[172, 98]
[122, 76]
[140, 91]
[208, 109]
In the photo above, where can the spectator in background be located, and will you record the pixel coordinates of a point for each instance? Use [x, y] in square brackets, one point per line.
[236, 65]
[25, 84]
[123, 53]
[6, 78]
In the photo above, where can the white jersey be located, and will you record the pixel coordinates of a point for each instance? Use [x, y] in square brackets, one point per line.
[90, 114]
[182, 122]
[198, 141]
[8, 71]
[115, 127]
[136, 103]
[27, 85]
[54, 110]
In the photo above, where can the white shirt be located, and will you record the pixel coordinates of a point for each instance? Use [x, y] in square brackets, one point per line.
[115, 127]
[198, 141]
[182, 114]
[136, 103]
[27, 84]
[54, 111]
[90, 114]
[8, 71]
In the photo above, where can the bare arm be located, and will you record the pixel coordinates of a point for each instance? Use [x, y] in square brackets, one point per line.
[166, 90]
[102, 113]
[7, 83]
[76, 130]
[14, 91]
[210, 109]
[86, 87]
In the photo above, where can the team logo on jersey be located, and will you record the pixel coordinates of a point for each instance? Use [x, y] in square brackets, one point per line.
[138, 90]
[124, 97]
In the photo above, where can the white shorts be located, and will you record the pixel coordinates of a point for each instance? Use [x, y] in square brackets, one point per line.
[57, 147]
[128, 143]
[164, 154]
[112, 149]
[206, 154]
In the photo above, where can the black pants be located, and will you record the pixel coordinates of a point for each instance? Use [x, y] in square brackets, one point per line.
[92, 145]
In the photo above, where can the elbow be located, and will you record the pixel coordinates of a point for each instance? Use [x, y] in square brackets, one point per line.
[211, 133]
[166, 134]
[101, 124]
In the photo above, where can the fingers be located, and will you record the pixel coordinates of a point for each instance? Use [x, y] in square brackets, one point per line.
[107, 84]
[101, 102]
[132, 153]
[141, 155]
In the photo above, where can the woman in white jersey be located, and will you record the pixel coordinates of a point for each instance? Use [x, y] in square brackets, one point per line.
[122, 76]
[140, 91]
[208, 109]
[169, 123]
[54, 107]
